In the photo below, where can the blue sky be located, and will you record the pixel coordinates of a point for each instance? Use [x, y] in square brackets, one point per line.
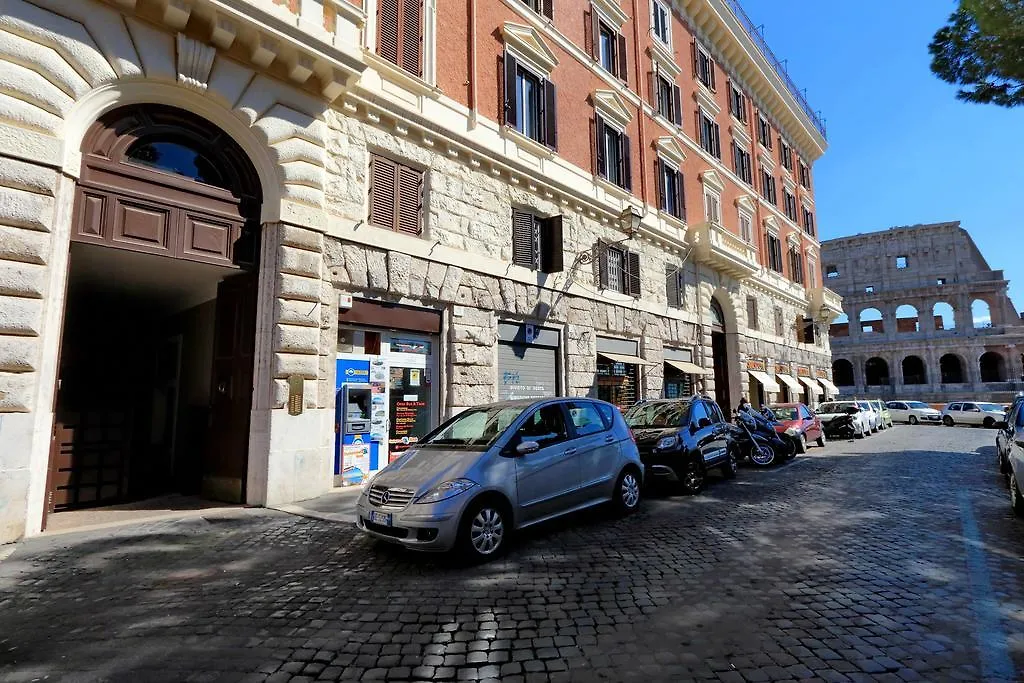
[902, 148]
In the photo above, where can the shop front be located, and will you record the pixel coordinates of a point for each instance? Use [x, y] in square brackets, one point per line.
[762, 387]
[681, 373]
[812, 394]
[528, 364]
[792, 390]
[831, 390]
[618, 371]
[387, 388]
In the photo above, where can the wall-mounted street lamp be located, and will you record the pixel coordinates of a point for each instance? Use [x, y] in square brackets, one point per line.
[631, 219]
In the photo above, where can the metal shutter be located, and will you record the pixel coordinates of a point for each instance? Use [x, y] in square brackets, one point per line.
[526, 371]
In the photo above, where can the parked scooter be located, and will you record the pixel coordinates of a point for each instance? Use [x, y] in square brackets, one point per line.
[755, 436]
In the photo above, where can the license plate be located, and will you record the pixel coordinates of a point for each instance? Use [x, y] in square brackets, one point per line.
[382, 518]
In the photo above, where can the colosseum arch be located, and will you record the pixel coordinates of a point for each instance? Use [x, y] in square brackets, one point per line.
[842, 372]
[840, 327]
[876, 372]
[952, 369]
[907, 319]
[981, 314]
[992, 367]
[871, 321]
[914, 370]
[944, 316]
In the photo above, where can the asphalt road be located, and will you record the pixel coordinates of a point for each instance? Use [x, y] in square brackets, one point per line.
[891, 558]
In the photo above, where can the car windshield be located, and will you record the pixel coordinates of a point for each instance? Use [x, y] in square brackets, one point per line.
[990, 407]
[916, 405]
[834, 407]
[864, 404]
[675, 414]
[784, 412]
[475, 428]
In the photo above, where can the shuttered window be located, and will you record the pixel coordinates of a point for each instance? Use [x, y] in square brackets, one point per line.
[613, 155]
[796, 266]
[741, 164]
[670, 190]
[768, 187]
[808, 222]
[774, 249]
[544, 7]
[537, 242]
[710, 135]
[785, 154]
[703, 67]
[789, 205]
[396, 196]
[618, 269]
[752, 321]
[400, 33]
[609, 47]
[764, 131]
[737, 103]
[530, 103]
[674, 286]
[805, 175]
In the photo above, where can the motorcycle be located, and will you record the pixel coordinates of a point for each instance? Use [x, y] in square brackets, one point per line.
[754, 434]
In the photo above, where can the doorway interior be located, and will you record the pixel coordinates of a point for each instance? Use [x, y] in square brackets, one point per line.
[720, 356]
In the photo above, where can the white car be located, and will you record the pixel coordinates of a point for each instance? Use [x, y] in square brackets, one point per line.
[831, 410]
[966, 413]
[913, 412]
[874, 417]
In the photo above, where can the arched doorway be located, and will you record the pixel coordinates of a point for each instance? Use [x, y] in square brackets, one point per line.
[914, 371]
[156, 367]
[876, 372]
[992, 367]
[951, 369]
[842, 372]
[720, 355]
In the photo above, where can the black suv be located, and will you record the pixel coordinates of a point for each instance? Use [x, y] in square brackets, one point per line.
[681, 439]
[1004, 436]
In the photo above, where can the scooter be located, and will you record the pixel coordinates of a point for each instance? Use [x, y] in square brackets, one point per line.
[755, 436]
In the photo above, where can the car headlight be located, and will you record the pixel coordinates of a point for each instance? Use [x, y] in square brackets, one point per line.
[666, 442]
[446, 490]
[793, 431]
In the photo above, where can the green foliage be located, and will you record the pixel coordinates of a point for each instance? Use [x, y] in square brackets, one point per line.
[981, 49]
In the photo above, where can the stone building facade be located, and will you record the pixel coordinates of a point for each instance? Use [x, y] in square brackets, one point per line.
[925, 317]
[191, 232]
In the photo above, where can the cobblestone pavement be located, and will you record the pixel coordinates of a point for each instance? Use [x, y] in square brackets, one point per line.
[892, 558]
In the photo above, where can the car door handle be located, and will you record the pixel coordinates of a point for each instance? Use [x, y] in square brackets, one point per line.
[609, 439]
[570, 451]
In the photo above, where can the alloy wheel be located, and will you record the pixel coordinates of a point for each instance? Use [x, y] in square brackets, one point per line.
[912, 420]
[487, 531]
[762, 455]
[630, 491]
[693, 480]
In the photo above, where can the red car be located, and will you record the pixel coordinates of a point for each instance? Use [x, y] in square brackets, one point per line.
[802, 419]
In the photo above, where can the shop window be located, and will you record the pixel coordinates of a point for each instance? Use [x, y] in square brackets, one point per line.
[617, 383]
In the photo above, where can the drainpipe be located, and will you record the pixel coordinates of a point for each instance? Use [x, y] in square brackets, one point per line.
[472, 64]
[642, 142]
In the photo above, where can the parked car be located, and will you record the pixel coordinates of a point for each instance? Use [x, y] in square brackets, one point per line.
[844, 419]
[874, 417]
[500, 467]
[913, 412]
[1013, 425]
[985, 414]
[1005, 435]
[885, 417]
[806, 425]
[681, 439]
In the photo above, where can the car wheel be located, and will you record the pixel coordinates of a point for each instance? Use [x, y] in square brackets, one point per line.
[483, 533]
[912, 419]
[1016, 499]
[801, 445]
[731, 466]
[988, 423]
[947, 420]
[692, 478]
[821, 440]
[861, 434]
[626, 498]
[761, 455]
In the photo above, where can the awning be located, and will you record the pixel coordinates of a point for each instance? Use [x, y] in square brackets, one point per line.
[687, 367]
[790, 381]
[622, 358]
[766, 381]
[811, 385]
[830, 389]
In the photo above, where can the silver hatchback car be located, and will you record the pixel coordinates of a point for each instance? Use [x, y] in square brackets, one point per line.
[500, 467]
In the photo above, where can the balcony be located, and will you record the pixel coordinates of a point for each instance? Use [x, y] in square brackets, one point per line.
[824, 299]
[714, 245]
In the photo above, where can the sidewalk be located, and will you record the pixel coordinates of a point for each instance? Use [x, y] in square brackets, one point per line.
[337, 505]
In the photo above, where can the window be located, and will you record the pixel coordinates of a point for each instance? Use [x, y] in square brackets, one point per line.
[808, 221]
[674, 286]
[611, 50]
[940, 281]
[703, 67]
[768, 187]
[400, 34]
[530, 103]
[710, 139]
[741, 164]
[544, 7]
[870, 289]
[178, 156]
[660, 20]
[805, 175]
[712, 206]
[670, 191]
[746, 227]
[789, 204]
[796, 265]
[737, 103]
[618, 269]
[537, 242]
[546, 426]
[831, 272]
[812, 273]
[752, 313]
[901, 263]
[780, 323]
[698, 412]
[396, 196]
[774, 250]
[613, 162]
[585, 418]
[764, 131]
[785, 154]
[668, 100]
[804, 330]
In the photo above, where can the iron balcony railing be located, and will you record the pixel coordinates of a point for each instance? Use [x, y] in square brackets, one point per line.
[776, 64]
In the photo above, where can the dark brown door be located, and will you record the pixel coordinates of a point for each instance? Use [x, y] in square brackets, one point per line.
[227, 449]
[721, 359]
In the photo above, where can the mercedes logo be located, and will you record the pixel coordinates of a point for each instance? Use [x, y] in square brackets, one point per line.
[385, 498]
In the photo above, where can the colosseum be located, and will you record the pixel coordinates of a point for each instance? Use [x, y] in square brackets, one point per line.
[925, 317]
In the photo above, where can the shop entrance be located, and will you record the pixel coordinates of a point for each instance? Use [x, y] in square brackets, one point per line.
[720, 355]
[155, 380]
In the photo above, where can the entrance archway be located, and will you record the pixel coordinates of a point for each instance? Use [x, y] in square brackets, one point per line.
[992, 367]
[842, 372]
[914, 370]
[951, 369]
[876, 372]
[720, 355]
[156, 368]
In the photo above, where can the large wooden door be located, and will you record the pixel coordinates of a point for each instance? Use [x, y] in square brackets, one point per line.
[227, 450]
[720, 355]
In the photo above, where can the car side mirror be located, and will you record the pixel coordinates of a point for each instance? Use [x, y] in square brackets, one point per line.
[1002, 425]
[527, 447]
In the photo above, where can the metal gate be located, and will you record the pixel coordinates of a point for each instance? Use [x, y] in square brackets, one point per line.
[527, 361]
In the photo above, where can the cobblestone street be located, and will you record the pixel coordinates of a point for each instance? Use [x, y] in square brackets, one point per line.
[892, 558]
